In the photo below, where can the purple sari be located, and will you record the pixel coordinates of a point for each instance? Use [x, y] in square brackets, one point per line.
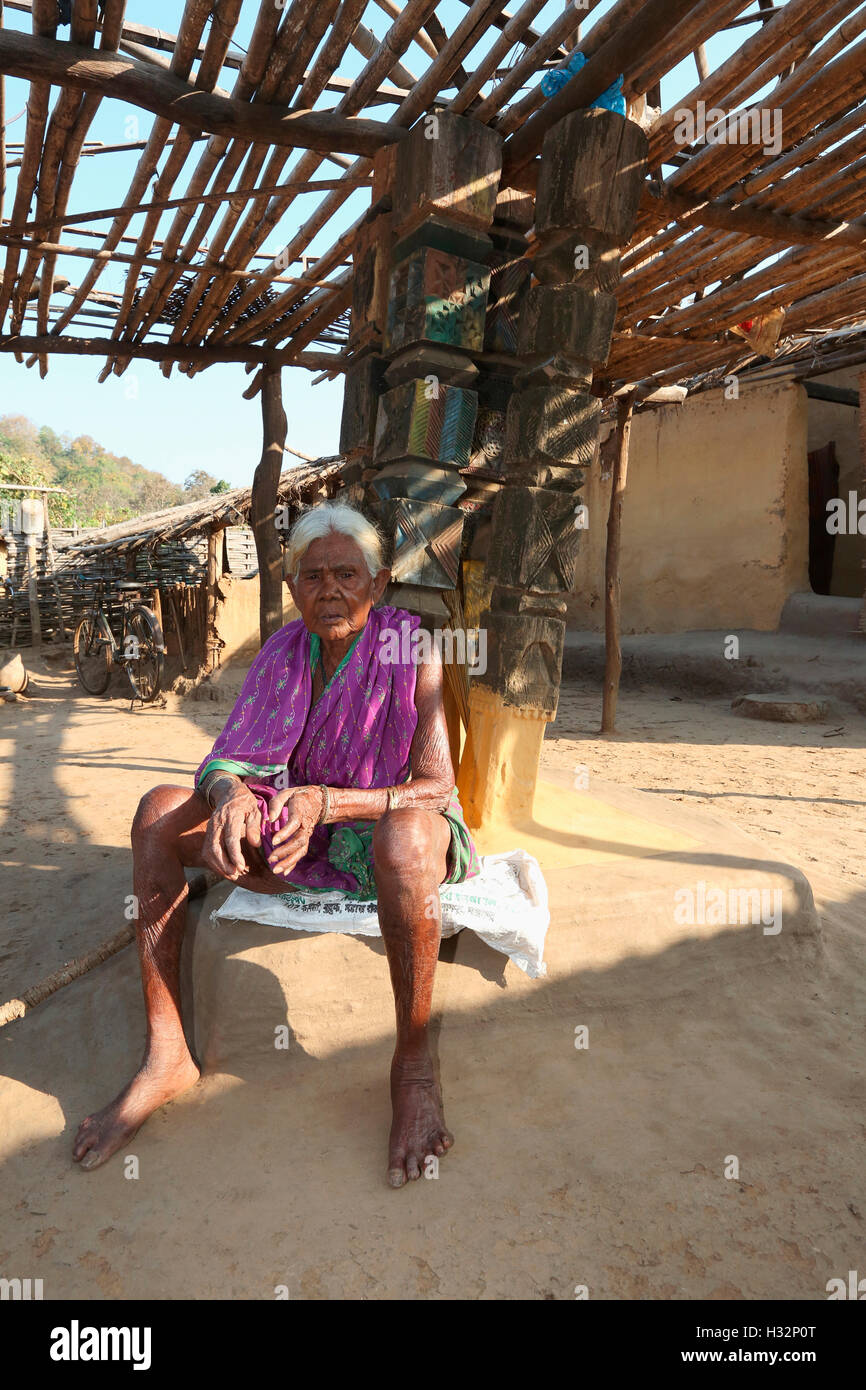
[357, 734]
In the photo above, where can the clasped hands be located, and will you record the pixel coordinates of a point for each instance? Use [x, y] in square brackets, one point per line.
[291, 817]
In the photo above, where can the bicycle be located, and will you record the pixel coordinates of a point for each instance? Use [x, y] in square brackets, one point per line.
[140, 651]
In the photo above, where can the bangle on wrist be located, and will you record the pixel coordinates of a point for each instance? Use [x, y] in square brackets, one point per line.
[326, 806]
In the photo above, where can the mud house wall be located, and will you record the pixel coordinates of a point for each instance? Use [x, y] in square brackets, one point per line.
[841, 423]
[237, 617]
[715, 527]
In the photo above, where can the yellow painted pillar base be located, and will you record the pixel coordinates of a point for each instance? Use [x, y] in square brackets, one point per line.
[499, 767]
[507, 806]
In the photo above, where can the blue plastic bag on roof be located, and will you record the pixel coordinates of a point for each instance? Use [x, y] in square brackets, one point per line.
[553, 82]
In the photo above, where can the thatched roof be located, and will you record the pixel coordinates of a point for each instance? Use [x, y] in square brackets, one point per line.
[730, 229]
[297, 485]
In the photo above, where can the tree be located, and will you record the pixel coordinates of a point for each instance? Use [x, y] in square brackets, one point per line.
[199, 484]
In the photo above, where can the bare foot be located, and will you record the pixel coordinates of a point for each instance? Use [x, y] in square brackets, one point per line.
[418, 1127]
[103, 1134]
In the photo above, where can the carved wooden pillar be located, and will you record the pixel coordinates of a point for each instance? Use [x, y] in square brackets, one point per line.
[410, 398]
[592, 171]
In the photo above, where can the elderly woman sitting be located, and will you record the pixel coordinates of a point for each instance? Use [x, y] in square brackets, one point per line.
[333, 771]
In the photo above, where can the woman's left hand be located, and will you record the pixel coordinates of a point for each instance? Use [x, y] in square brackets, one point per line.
[297, 810]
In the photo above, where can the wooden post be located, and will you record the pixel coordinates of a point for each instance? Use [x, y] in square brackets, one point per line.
[214, 538]
[32, 592]
[49, 562]
[613, 651]
[2, 132]
[263, 505]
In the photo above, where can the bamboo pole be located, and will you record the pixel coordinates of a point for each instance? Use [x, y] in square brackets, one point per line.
[178, 352]
[192, 24]
[740, 76]
[515, 29]
[655, 19]
[312, 87]
[613, 650]
[81, 965]
[67, 129]
[2, 133]
[86, 253]
[816, 79]
[666, 51]
[214, 538]
[49, 560]
[135, 310]
[754, 221]
[620, 13]
[32, 591]
[269, 54]
[44, 22]
[377, 67]
[301, 31]
[183, 104]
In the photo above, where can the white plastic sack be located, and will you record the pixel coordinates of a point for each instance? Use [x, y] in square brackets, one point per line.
[505, 905]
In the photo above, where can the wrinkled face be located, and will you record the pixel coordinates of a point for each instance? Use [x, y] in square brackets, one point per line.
[334, 590]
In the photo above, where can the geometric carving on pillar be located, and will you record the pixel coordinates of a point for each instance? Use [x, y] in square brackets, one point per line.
[551, 425]
[593, 165]
[422, 482]
[436, 297]
[427, 540]
[510, 274]
[370, 257]
[415, 421]
[448, 165]
[363, 382]
[578, 258]
[524, 659]
[534, 541]
[488, 441]
[570, 322]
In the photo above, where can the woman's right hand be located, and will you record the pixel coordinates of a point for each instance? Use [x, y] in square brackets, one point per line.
[235, 817]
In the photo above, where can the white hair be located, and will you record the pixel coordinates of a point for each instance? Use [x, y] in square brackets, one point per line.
[324, 519]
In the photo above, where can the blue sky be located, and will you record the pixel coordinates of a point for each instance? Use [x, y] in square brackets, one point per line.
[182, 423]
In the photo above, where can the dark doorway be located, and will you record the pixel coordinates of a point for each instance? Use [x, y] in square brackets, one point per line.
[823, 484]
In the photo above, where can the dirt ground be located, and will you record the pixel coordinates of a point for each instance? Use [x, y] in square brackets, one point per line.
[609, 1178]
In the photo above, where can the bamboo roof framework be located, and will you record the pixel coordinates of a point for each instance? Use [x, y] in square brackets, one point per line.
[231, 508]
[730, 228]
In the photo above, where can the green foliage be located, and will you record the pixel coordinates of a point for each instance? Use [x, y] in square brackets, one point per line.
[102, 487]
[198, 485]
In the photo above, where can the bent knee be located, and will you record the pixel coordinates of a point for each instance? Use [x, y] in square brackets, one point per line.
[404, 843]
[155, 806]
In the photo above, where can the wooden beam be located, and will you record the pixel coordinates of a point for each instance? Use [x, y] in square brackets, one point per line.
[670, 206]
[263, 503]
[839, 395]
[171, 352]
[2, 132]
[168, 96]
[753, 18]
[644, 30]
[85, 253]
[168, 204]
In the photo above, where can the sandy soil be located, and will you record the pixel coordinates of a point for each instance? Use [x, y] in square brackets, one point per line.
[610, 1177]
